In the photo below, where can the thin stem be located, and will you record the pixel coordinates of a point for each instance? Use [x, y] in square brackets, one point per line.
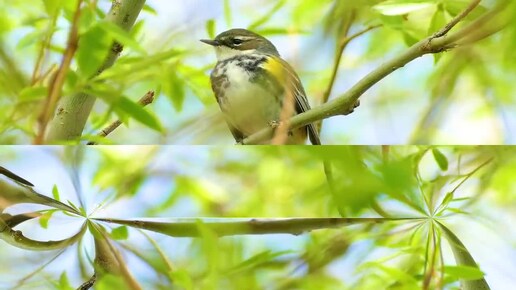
[296, 226]
[148, 98]
[342, 46]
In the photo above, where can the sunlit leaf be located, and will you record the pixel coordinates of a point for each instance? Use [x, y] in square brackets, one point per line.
[210, 28]
[399, 7]
[94, 46]
[122, 36]
[120, 233]
[464, 272]
[440, 159]
[138, 113]
[464, 258]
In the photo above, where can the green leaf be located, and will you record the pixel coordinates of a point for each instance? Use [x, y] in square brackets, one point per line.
[55, 192]
[210, 28]
[33, 93]
[174, 87]
[122, 36]
[400, 7]
[463, 258]
[44, 218]
[120, 233]
[94, 46]
[227, 13]
[182, 278]
[64, 283]
[138, 113]
[150, 9]
[52, 6]
[438, 22]
[441, 160]
[266, 16]
[464, 272]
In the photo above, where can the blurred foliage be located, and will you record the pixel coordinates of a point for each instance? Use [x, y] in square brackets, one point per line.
[445, 192]
[466, 86]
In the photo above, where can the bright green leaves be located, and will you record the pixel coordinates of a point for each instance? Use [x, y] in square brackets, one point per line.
[95, 45]
[440, 159]
[120, 233]
[64, 282]
[52, 7]
[137, 112]
[210, 28]
[93, 49]
[467, 269]
[400, 7]
[439, 20]
[464, 272]
[121, 36]
[173, 86]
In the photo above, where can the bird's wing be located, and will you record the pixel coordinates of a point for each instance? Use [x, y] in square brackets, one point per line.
[216, 84]
[302, 104]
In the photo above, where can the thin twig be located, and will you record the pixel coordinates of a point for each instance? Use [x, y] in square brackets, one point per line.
[342, 46]
[54, 90]
[457, 19]
[148, 98]
[89, 283]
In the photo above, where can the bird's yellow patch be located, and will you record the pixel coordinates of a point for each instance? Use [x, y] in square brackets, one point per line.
[275, 67]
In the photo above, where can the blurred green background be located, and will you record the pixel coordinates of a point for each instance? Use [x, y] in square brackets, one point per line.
[469, 189]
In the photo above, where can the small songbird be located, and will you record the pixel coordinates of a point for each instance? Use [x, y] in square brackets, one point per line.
[251, 83]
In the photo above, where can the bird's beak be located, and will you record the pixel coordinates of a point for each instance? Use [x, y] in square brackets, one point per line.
[211, 42]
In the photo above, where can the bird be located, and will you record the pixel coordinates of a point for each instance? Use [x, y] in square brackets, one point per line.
[252, 83]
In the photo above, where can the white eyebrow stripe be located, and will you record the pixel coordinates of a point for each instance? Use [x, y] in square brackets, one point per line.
[243, 37]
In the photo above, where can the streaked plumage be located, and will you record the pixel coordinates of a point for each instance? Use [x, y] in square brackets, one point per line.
[249, 82]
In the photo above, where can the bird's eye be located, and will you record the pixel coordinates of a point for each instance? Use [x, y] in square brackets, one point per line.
[236, 41]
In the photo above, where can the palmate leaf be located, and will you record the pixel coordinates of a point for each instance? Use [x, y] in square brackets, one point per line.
[463, 258]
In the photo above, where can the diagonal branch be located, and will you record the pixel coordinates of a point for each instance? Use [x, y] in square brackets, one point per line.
[73, 111]
[344, 103]
[143, 101]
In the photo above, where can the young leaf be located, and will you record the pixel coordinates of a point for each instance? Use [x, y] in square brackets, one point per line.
[120, 233]
[440, 159]
[93, 49]
[138, 113]
[464, 272]
[210, 28]
[55, 192]
[463, 258]
[44, 218]
[121, 36]
[400, 7]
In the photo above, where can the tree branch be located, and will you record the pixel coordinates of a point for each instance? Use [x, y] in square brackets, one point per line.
[344, 103]
[73, 111]
[56, 84]
[295, 226]
[143, 101]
